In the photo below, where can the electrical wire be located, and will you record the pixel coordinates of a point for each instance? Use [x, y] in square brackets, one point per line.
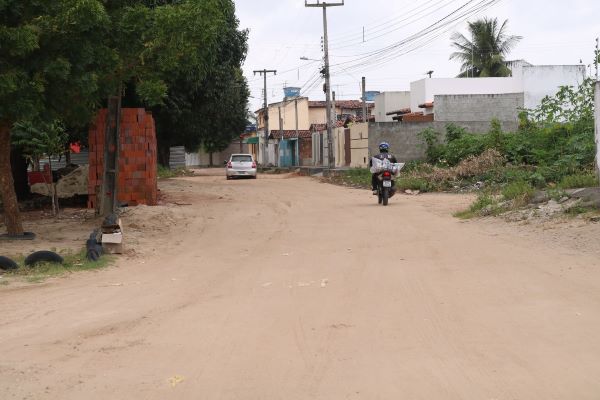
[421, 38]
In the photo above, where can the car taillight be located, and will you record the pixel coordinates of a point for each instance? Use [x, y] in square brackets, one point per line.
[253, 164]
[229, 165]
[387, 174]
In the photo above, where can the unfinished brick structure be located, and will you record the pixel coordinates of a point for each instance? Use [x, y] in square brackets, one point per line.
[137, 178]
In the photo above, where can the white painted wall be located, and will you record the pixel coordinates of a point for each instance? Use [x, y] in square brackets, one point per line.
[535, 81]
[390, 101]
[539, 81]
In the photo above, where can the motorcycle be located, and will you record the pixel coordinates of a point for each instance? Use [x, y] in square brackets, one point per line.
[386, 171]
[385, 188]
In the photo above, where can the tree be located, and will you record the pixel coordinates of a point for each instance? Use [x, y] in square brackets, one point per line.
[208, 110]
[484, 54]
[39, 140]
[51, 55]
[61, 59]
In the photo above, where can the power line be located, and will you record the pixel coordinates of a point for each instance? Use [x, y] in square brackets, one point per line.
[378, 33]
[423, 37]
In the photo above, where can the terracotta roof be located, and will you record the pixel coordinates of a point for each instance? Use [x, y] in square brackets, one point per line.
[398, 112]
[347, 104]
[426, 105]
[289, 134]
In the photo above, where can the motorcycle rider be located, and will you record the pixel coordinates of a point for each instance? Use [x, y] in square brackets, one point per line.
[384, 148]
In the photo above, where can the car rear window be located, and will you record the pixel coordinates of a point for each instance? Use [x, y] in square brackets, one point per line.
[241, 158]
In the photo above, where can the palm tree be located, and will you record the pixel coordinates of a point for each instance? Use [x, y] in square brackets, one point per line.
[484, 54]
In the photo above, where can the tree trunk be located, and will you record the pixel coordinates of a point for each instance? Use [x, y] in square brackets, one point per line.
[12, 216]
[164, 155]
[210, 159]
[52, 190]
[20, 176]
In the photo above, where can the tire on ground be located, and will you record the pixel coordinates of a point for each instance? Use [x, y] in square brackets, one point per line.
[7, 264]
[43, 256]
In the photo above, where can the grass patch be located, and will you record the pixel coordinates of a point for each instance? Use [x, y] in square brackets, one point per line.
[414, 183]
[358, 177]
[520, 192]
[165, 173]
[579, 210]
[486, 204]
[578, 181]
[73, 262]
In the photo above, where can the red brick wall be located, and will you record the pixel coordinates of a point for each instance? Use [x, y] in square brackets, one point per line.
[305, 146]
[137, 182]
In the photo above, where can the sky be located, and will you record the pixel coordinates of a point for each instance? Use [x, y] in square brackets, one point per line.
[283, 31]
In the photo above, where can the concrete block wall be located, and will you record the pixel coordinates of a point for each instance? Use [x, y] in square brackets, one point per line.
[404, 139]
[137, 181]
[478, 107]
[305, 148]
[359, 145]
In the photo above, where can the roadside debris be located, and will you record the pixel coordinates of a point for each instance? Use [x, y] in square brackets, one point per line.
[176, 380]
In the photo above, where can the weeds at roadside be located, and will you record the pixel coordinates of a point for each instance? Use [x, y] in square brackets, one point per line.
[518, 192]
[578, 181]
[73, 262]
[165, 173]
[486, 204]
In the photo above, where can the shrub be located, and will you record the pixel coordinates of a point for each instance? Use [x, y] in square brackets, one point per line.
[454, 132]
[520, 192]
[578, 181]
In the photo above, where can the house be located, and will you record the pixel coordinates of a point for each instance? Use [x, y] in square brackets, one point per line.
[526, 88]
[388, 103]
[293, 124]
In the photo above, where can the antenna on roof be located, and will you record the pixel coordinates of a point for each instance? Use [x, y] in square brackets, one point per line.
[429, 73]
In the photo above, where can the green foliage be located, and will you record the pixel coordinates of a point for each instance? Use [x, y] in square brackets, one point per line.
[576, 181]
[433, 148]
[414, 183]
[549, 145]
[573, 106]
[454, 132]
[483, 55]
[39, 139]
[73, 262]
[519, 191]
[485, 204]
[165, 172]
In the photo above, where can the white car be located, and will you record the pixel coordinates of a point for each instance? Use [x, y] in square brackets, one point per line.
[240, 165]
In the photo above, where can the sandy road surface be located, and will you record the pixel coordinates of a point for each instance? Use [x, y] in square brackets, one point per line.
[275, 289]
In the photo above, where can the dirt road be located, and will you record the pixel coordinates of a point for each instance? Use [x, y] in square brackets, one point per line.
[277, 289]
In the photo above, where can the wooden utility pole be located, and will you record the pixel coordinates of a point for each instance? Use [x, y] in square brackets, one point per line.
[324, 5]
[265, 145]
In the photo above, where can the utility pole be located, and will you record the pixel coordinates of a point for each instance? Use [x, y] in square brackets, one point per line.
[364, 99]
[597, 108]
[280, 122]
[265, 145]
[324, 5]
[296, 112]
[333, 106]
